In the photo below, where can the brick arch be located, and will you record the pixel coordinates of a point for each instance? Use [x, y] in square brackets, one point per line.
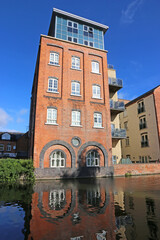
[95, 144]
[57, 142]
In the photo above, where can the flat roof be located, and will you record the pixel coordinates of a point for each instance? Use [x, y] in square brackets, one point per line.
[104, 27]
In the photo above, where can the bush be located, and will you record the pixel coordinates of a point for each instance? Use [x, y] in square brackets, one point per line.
[12, 170]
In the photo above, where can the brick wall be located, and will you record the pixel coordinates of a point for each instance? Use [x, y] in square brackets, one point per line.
[136, 169]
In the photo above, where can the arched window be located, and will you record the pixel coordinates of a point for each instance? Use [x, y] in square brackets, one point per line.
[57, 159]
[92, 159]
[6, 136]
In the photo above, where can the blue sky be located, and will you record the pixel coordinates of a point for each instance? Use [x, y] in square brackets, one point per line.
[132, 41]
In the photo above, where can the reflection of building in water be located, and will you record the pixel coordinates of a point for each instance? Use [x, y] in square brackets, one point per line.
[61, 213]
[136, 215]
[57, 199]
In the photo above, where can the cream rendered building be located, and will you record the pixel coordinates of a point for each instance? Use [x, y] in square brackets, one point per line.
[142, 122]
[116, 107]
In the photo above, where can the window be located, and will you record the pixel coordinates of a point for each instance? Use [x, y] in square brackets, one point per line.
[88, 43]
[73, 39]
[142, 123]
[144, 140]
[1, 147]
[14, 147]
[95, 67]
[51, 116]
[54, 58]
[8, 147]
[92, 159]
[53, 85]
[88, 31]
[76, 62]
[75, 88]
[127, 141]
[126, 125]
[72, 27]
[96, 91]
[57, 199]
[98, 120]
[76, 118]
[6, 136]
[141, 107]
[57, 159]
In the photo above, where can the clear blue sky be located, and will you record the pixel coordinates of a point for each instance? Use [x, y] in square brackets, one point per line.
[132, 41]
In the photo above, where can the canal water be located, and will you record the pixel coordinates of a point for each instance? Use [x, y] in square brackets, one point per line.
[95, 209]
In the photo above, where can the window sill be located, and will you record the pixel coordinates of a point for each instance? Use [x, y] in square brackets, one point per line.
[98, 127]
[56, 65]
[76, 126]
[76, 95]
[97, 98]
[76, 69]
[55, 124]
[52, 92]
[96, 73]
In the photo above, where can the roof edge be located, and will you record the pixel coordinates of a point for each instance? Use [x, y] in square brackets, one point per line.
[104, 27]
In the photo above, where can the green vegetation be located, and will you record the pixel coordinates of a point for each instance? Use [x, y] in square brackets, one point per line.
[13, 170]
[128, 174]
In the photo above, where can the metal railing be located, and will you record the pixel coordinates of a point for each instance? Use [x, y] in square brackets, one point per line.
[117, 105]
[115, 82]
[145, 144]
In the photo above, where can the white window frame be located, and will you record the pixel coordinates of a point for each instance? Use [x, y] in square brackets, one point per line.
[72, 39]
[98, 118]
[54, 58]
[8, 147]
[56, 160]
[1, 147]
[75, 88]
[95, 67]
[72, 24]
[75, 62]
[54, 87]
[92, 161]
[56, 197]
[96, 91]
[76, 118]
[52, 116]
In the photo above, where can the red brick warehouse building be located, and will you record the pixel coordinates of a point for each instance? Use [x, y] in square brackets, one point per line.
[70, 128]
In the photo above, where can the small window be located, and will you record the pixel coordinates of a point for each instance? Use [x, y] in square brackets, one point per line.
[75, 88]
[85, 28]
[76, 118]
[1, 147]
[92, 159]
[141, 107]
[70, 39]
[142, 123]
[14, 147]
[52, 85]
[51, 116]
[54, 58]
[69, 24]
[8, 147]
[86, 43]
[91, 44]
[75, 40]
[126, 125]
[144, 140]
[57, 159]
[6, 136]
[76, 62]
[95, 67]
[96, 91]
[127, 141]
[98, 120]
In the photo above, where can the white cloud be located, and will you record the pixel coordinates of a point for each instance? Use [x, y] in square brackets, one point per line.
[5, 118]
[129, 13]
[23, 111]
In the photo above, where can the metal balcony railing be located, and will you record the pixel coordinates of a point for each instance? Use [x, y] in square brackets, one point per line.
[145, 144]
[115, 82]
[118, 133]
[117, 105]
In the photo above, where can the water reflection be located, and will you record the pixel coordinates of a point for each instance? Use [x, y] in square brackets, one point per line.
[102, 209]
